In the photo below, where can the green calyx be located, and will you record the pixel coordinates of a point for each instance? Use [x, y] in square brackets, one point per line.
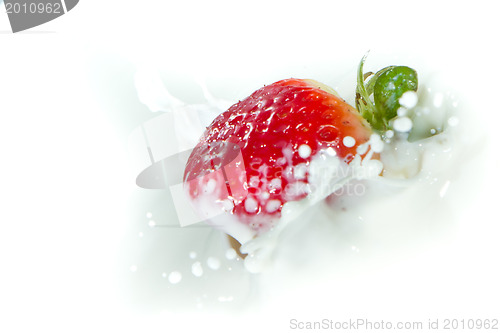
[377, 95]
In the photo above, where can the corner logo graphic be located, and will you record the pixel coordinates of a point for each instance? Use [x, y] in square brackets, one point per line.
[26, 14]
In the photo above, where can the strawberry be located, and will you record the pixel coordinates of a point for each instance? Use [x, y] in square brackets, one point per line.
[255, 157]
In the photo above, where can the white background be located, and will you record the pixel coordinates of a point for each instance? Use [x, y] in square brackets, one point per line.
[66, 178]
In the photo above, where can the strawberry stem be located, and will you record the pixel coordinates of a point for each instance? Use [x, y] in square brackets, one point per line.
[364, 102]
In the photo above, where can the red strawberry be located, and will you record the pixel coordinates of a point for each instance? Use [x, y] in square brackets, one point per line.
[254, 157]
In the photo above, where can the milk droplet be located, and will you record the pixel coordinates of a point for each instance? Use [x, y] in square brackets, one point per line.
[362, 148]
[264, 195]
[213, 263]
[231, 254]
[453, 121]
[349, 141]
[273, 205]
[252, 264]
[297, 189]
[299, 171]
[227, 205]
[304, 151]
[330, 151]
[403, 124]
[402, 112]
[444, 189]
[133, 268]
[275, 184]
[174, 277]
[251, 205]
[256, 261]
[149, 215]
[152, 223]
[210, 186]
[196, 269]
[409, 99]
[254, 181]
[438, 100]
[225, 299]
[192, 255]
[376, 143]
[374, 168]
